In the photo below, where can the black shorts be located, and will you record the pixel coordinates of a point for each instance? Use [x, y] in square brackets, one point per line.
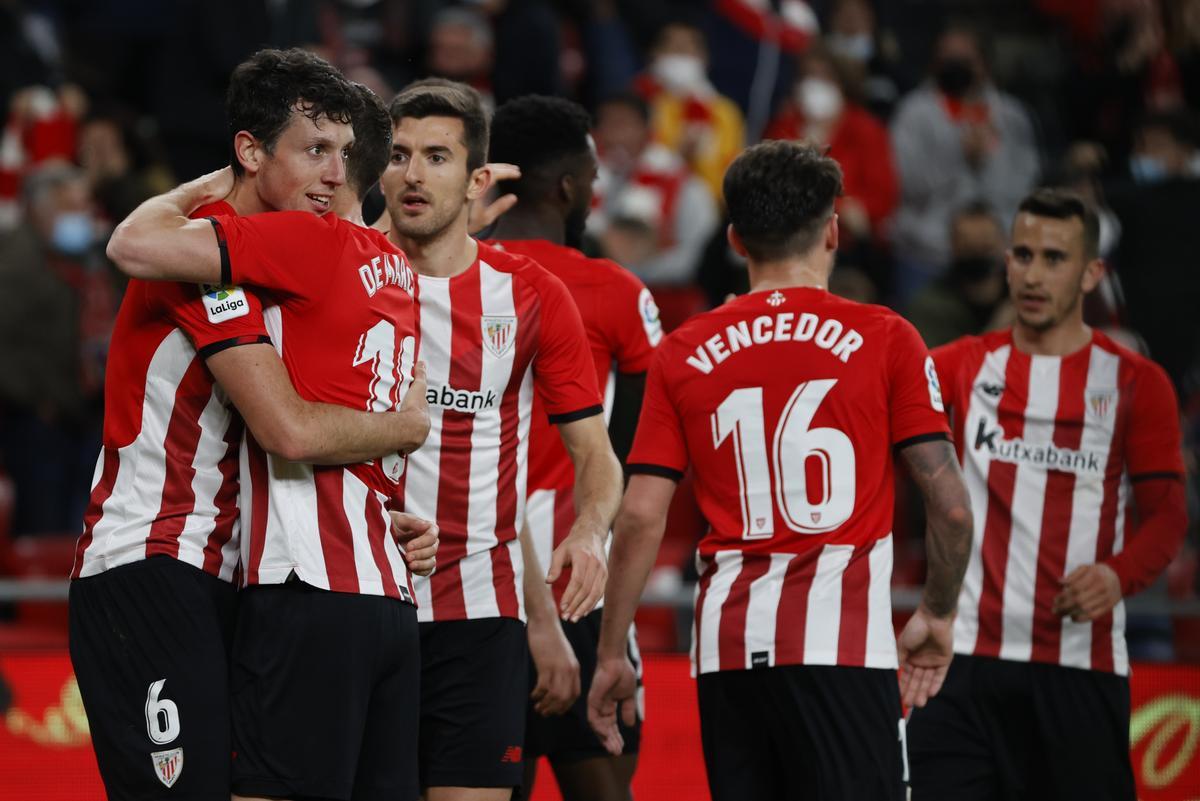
[325, 690]
[567, 737]
[149, 644]
[473, 690]
[826, 733]
[1006, 730]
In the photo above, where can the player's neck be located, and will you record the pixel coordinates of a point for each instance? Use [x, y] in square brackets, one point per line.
[1061, 340]
[245, 199]
[531, 222]
[445, 255]
[787, 274]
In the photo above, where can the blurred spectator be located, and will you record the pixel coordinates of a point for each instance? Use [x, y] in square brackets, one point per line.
[871, 55]
[116, 166]
[967, 299]
[957, 139]
[689, 116]
[1156, 256]
[821, 111]
[41, 127]
[1185, 40]
[652, 214]
[55, 320]
[530, 53]
[461, 49]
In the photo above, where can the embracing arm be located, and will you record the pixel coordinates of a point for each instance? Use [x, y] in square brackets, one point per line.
[298, 430]
[158, 242]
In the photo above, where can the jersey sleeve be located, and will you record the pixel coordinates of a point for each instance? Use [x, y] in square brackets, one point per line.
[1154, 443]
[216, 318]
[947, 360]
[286, 252]
[562, 367]
[634, 326]
[659, 447]
[916, 406]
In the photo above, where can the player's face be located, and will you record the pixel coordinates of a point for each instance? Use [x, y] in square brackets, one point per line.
[427, 184]
[306, 166]
[1048, 270]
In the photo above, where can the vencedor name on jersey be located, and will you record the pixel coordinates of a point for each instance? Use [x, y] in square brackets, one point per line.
[830, 334]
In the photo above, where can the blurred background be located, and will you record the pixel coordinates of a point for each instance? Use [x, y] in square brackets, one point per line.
[942, 113]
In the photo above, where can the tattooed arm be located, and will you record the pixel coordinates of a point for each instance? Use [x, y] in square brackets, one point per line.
[927, 642]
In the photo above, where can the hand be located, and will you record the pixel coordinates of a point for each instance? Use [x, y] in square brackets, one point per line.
[216, 185]
[583, 552]
[613, 686]
[415, 408]
[1089, 592]
[557, 668]
[480, 215]
[926, 647]
[418, 541]
[978, 141]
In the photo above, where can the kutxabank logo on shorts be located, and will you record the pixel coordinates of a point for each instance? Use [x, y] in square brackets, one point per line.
[168, 765]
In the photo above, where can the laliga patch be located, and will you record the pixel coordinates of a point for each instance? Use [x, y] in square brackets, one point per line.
[935, 389]
[499, 334]
[648, 310]
[168, 765]
[224, 302]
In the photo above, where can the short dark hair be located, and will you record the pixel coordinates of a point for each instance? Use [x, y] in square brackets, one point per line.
[629, 100]
[1063, 204]
[779, 196]
[438, 97]
[267, 88]
[372, 143]
[539, 134]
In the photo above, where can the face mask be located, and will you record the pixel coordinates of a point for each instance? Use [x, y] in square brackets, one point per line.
[954, 76]
[73, 233]
[858, 47]
[679, 74]
[819, 99]
[1147, 169]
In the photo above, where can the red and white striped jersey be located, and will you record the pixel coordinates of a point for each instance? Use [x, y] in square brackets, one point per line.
[1049, 446]
[166, 479]
[788, 404]
[344, 323]
[622, 327]
[490, 337]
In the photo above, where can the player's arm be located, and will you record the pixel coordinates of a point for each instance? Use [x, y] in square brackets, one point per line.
[637, 534]
[627, 403]
[597, 496]
[926, 644]
[1154, 462]
[558, 681]
[157, 241]
[283, 423]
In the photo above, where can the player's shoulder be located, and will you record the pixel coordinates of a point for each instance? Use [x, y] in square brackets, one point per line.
[523, 269]
[972, 346]
[218, 208]
[1138, 366]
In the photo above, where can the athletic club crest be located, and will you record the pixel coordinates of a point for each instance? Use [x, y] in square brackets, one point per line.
[168, 765]
[1101, 402]
[499, 334]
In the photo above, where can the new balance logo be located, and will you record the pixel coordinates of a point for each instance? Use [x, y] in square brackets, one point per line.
[994, 390]
[1046, 455]
[512, 754]
[776, 298]
[461, 400]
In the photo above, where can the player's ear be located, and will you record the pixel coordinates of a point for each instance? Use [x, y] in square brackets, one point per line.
[479, 182]
[248, 151]
[735, 241]
[1093, 272]
[831, 233]
[566, 189]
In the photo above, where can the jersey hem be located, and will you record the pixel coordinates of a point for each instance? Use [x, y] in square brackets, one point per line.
[213, 348]
[932, 436]
[635, 468]
[580, 414]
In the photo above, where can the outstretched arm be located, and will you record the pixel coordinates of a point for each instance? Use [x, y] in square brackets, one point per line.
[158, 242]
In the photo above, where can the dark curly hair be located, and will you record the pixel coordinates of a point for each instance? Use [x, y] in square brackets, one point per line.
[779, 196]
[438, 97]
[267, 88]
[541, 135]
[372, 143]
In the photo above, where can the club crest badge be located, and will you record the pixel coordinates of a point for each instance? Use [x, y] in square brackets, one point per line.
[1101, 402]
[168, 765]
[499, 335]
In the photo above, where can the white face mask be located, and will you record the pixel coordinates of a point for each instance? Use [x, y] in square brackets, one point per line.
[855, 47]
[679, 74]
[819, 99]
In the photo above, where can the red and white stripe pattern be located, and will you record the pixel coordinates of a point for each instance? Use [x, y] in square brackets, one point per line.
[470, 476]
[328, 525]
[1049, 493]
[172, 490]
[827, 606]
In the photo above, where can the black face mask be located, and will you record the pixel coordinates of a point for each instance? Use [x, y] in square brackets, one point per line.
[954, 76]
[969, 269]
